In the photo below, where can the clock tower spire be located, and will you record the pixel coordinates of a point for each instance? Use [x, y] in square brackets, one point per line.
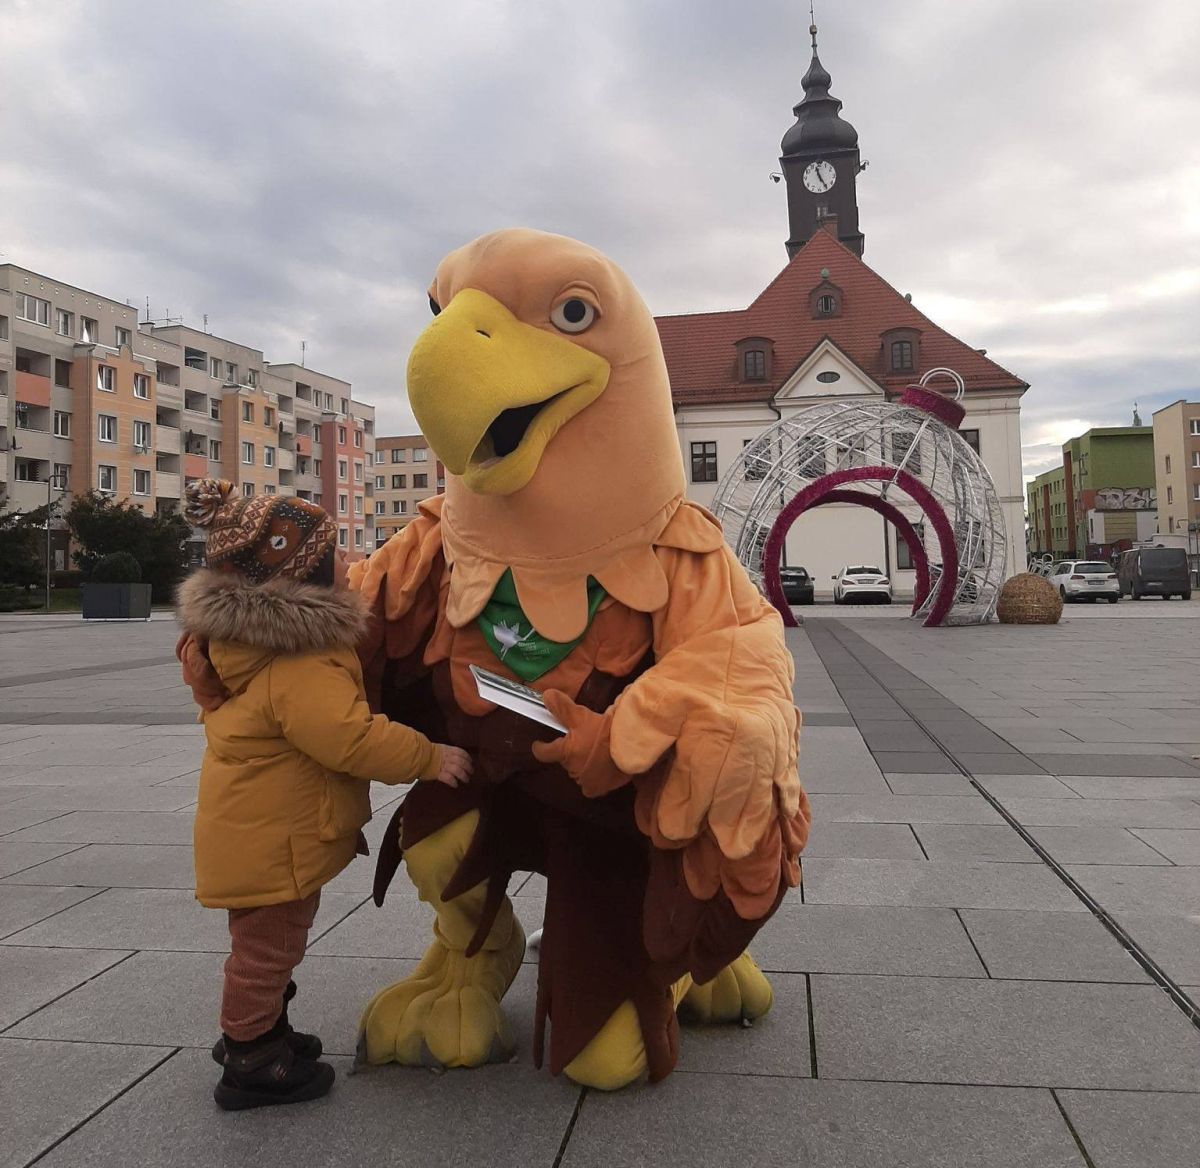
[821, 163]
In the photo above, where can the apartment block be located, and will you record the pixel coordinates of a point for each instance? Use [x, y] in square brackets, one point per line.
[91, 398]
[1177, 470]
[406, 472]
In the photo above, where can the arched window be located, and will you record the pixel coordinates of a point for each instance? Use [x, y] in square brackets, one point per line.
[826, 305]
[754, 365]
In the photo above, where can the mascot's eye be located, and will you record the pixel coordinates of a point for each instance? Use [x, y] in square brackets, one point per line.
[434, 306]
[278, 542]
[573, 316]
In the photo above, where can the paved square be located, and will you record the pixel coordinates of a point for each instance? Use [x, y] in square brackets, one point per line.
[943, 996]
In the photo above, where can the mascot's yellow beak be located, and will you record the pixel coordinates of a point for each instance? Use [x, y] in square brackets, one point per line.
[490, 391]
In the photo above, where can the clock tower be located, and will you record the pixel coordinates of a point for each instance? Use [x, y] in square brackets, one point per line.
[821, 163]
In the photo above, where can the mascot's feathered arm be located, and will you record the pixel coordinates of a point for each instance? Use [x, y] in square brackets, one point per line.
[718, 703]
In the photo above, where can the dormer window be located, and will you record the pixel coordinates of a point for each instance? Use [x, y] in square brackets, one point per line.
[901, 350]
[825, 300]
[826, 305]
[754, 359]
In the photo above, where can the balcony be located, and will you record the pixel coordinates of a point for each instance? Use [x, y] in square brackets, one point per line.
[285, 459]
[303, 445]
[33, 389]
[195, 466]
[30, 442]
[166, 439]
[166, 485]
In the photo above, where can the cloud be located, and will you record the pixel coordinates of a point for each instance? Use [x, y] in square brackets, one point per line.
[295, 168]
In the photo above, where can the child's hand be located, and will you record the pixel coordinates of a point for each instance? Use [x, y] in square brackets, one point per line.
[456, 766]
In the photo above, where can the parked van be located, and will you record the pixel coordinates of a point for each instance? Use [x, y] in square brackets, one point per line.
[1155, 571]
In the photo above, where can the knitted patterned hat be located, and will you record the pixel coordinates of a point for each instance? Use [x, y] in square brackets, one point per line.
[262, 537]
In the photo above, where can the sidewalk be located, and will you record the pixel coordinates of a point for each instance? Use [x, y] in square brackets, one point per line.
[943, 996]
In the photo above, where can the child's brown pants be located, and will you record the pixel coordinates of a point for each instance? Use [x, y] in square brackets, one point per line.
[266, 945]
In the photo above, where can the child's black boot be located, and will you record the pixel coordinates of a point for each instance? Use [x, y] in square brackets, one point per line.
[266, 1072]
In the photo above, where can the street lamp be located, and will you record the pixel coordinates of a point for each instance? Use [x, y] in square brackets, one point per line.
[53, 482]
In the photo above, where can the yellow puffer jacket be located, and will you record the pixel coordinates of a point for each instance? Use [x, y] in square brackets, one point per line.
[282, 790]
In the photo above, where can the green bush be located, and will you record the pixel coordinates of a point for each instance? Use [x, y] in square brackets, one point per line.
[68, 578]
[12, 597]
[117, 568]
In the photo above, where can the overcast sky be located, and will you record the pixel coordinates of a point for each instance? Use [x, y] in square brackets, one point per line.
[296, 168]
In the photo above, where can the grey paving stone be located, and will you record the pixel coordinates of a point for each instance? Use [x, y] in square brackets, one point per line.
[17, 818]
[1049, 946]
[732, 1121]
[777, 1044]
[906, 809]
[111, 797]
[19, 855]
[403, 928]
[29, 978]
[1180, 846]
[115, 827]
[115, 866]
[50, 1087]
[901, 784]
[915, 762]
[1134, 1130]
[147, 918]
[1171, 938]
[1026, 787]
[21, 907]
[889, 736]
[1140, 889]
[1132, 787]
[1095, 845]
[533, 885]
[879, 841]
[999, 764]
[1099, 812]
[956, 841]
[841, 778]
[936, 884]
[839, 938]
[1053, 1034]
[1150, 765]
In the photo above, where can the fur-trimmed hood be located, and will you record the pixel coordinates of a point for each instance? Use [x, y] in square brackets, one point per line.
[280, 616]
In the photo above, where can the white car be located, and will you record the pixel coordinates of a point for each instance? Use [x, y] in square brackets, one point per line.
[861, 583]
[1090, 579]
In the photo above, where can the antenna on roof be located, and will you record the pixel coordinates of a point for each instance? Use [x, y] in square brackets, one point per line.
[303, 350]
[1137, 418]
[206, 322]
[812, 24]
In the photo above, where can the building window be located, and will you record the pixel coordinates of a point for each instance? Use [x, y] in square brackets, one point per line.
[972, 440]
[106, 378]
[1196, 491]
[252, 377]
[358, 438]
[214, 450]
[107, 479]
[904, 558]
[248, 453]
[1168, 461]
[33, 309]
[358, 538]
[214, 366]
[247, 411]
[231, 372]
[1196, 459]
[358, 504]
[420, 482]
[269, 489]
[358, 471]
[317, 468]
[248, 490]
[106, 428]
[1195, 427]
[828, 377]
[397, 454]
[902, 357]
[754, 365]
[399, 507]
[343, 537]
[826, 305]
[704, 462]
[62, 424]
[755, 461]
[141, 385]
[343, 504]
[141, 482]
[1170, 494]
[341, 435]
[1171, 524]
[810, 457]
[345, 405]
[89, 330]
[380, 507]
[399, 482]
[124, 338]
[343, 469]
[902, 447]
[268, 456]
[380, 482]
[421, 454]
[66, 323]
[268, 416]
[214, 409]
[141, 434]
[62, 476]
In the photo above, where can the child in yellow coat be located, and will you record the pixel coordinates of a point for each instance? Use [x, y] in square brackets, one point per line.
[282, 799]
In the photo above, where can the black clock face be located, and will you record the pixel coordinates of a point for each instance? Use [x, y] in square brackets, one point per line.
[819, 176]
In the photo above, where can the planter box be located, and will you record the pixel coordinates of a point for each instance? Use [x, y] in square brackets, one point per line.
[116, 602]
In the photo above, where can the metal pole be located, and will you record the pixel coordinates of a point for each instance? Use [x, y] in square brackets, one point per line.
[49, 488]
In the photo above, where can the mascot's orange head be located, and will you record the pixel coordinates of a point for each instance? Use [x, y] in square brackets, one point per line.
[541, 386]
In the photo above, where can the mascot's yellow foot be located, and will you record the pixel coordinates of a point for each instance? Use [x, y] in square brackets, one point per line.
[739, 992]
[447, 1013]
[616, 1057]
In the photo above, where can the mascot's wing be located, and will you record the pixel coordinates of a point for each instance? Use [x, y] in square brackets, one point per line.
[720, 697]
[400, 583]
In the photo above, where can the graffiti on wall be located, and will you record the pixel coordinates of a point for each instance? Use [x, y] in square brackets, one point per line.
[1126, 499]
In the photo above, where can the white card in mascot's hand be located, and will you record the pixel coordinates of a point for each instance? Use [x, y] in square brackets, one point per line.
[512, 695]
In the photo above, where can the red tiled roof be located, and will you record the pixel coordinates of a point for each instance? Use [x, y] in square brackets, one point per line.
[701, 357]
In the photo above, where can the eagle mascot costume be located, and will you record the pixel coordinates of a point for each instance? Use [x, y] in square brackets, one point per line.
[669, 818]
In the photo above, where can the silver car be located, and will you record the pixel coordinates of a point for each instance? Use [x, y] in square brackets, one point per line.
[861, 583]
[1086, 580]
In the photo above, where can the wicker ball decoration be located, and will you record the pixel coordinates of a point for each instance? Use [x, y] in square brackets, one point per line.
[1029, 599]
